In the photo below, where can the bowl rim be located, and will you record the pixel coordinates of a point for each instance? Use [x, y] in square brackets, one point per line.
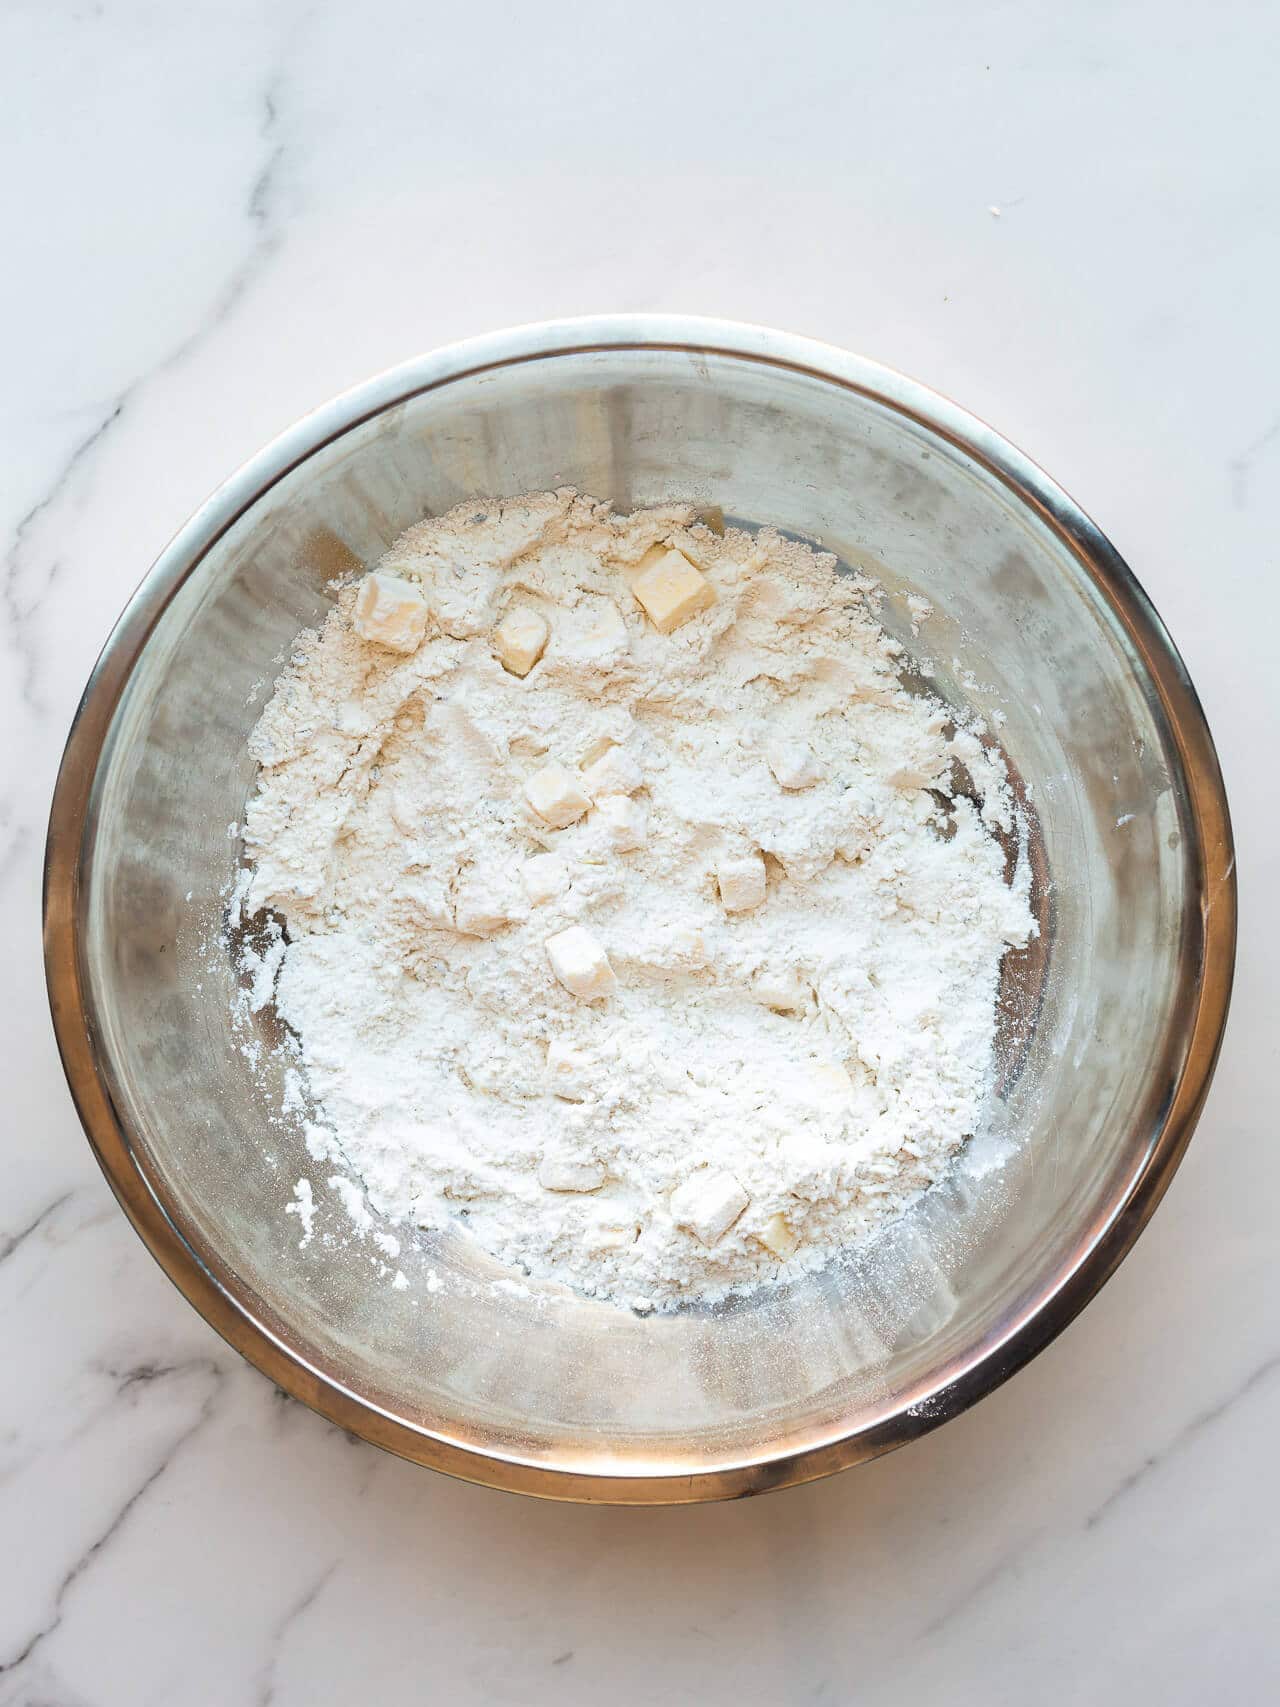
[1095, 1254]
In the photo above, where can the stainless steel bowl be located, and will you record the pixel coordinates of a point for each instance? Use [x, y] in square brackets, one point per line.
[1109, 1034]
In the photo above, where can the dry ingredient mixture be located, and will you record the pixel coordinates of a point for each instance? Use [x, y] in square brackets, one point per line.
[632, 908]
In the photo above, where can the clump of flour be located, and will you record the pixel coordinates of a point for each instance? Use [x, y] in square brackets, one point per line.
[825, 1052]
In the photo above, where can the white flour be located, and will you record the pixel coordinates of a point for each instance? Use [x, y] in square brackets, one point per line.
[821, 1056]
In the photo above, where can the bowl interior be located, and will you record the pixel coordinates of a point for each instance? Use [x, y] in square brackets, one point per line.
[1095, 1020]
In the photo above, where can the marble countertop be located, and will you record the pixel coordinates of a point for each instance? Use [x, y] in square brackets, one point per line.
[220, 214]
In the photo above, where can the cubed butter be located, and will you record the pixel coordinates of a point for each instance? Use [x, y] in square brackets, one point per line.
[390, 612]
[594, 632]
[831, 1081]
[557, 795]
[614, 772]
[793, 764]
[580, 963]
[708, 1204]
[423, 905]
[683, 948]
[663, 948]
[565, 1173]
[482, 905]
[520, 639]
[624, 822]
[779, 1236]
[568, 1070]
[544, 877]
[779, 988]
[741, 878]
[610, 1236]
[652, 556]
[672, 590]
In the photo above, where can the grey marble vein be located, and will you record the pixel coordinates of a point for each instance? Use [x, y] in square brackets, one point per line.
[9, 1667]
[1240, 467]
[28, 572]
[1186, 1435]
[22, 589]
[287, 1622]
[10, 1242]
[144, 1373]
[120, 1380]
[979, 1587]
[14, 837]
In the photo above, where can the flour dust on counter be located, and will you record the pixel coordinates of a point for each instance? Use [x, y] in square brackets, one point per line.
[629, 908]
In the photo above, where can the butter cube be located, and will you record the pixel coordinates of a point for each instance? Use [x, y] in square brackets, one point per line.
[793, 764]
[580, 963]
[831, 1082]
[779, 1236]
[520, 639]
[595, 632]
[741, 878]
[614, 772]
[544, 877]
[482, 905]
[779, 988]
[672, 590]
[663, 947]
[682, 948]
[568, 1070]
[563, 1173]
[708, 1204]
[556, 795]
[422, 905]
[610, 1236]
[624, 822]
[390, 612]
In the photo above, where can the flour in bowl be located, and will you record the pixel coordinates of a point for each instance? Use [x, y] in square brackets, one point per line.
[633, 910]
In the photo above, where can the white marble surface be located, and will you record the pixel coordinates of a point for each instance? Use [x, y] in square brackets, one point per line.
[219, 214]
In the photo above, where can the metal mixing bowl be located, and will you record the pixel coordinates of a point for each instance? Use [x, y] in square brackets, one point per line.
[1108, 1032]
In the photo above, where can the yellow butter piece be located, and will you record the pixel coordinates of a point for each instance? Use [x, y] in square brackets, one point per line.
[557, 795]
[779, 1236]
[793, 764]
[779, 988]
[390, 612]
[741, 880]
[483, 905]
[830, 1079]
[520, 639]
[614, 772]
[566, 1173]
[671, 591]
[607, 1237]
[624, 822]
[708, 1204]
[544, 877]
[580, 963]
